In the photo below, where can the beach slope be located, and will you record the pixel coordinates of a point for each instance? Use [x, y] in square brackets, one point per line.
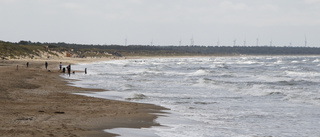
[37, 102]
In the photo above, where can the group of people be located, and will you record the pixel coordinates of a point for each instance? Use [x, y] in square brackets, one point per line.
[63, 69]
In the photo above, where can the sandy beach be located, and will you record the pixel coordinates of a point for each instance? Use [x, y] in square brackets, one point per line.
[37, 102]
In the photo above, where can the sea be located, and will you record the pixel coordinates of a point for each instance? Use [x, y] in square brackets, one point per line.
[241, 96]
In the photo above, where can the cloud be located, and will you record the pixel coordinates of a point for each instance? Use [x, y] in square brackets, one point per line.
[72, 6]
[8, 1]
[80, 9]
[228, 5]
[312, 1]
[118, 18]
[136, 1]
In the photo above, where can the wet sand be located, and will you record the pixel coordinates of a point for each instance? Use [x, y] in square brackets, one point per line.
[38, 103]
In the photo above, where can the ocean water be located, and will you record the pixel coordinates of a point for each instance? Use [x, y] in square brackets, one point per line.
[215, 96]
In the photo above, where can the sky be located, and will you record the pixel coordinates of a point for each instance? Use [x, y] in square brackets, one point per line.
[163, 22]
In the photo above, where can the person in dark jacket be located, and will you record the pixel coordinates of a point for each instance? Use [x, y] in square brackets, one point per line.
[69, 69]
[46, 65]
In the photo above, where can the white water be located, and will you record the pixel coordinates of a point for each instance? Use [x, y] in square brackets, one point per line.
[221, 96]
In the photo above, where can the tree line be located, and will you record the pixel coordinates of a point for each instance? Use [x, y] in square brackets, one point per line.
[85, 50]
[198, 50]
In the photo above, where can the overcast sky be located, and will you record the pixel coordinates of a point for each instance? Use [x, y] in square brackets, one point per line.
[163, 22]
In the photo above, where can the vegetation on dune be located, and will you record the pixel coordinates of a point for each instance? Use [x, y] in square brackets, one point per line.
[13, 50]
[28, 49]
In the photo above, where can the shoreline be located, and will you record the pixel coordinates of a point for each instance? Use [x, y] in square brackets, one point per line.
[36, 102]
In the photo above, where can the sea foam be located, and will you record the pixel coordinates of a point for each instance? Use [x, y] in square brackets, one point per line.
[218, 96]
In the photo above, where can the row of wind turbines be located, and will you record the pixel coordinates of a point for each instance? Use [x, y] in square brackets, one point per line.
[192, 43]
[257, 42]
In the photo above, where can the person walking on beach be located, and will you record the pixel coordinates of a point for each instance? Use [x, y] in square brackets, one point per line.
[69, 69]
[46, 65]
[27, 64]
[85, 71]
[60, 66]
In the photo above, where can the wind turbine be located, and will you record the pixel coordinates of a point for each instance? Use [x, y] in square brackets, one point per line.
[258, 41]
[125, 41]
[234, 42]
[305, 41]
[245, 41]
[192, 41]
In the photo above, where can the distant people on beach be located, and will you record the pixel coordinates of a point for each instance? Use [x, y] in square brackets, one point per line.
[69, 69]
[27, 64]
[63, 70]
[60, 66]
[85, 71]
[46, 65]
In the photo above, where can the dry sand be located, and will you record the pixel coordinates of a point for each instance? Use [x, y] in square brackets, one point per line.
[38, 103]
